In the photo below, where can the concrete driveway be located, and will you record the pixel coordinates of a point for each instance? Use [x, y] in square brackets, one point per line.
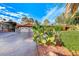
[17, 44]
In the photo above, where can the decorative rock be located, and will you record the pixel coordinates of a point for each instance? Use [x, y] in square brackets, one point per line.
[53, 51]
[51, 54]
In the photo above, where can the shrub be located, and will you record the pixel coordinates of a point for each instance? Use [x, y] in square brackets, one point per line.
[43, 34]
[58, 28]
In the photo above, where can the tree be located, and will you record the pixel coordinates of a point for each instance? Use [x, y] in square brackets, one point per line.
[24, 20]
[46, 22]
[31, 20]
[71, 8]
[74, 8]
[76, 18]
[77, 14]
[36, 22]
[60, 19]
[69, 16]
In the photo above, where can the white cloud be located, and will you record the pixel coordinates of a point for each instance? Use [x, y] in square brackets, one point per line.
[8, 17]
[53, 13]
[12, 15]
[22, 13]
[2, 8]
[17, 14]
[7, 6]
[49, 13]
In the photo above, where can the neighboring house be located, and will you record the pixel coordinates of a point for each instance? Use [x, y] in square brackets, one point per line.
[24, 28]
[8, 26]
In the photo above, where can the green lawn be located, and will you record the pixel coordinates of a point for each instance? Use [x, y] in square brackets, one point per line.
[70, 39]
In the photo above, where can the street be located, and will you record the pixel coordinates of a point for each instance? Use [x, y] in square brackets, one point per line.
[17, 44]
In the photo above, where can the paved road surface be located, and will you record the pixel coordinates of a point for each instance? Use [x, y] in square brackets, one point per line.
[17, 44]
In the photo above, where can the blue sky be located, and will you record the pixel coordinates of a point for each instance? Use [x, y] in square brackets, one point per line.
[38, 11]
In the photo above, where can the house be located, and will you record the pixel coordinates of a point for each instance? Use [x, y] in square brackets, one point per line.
[24, 27]
[8, 26]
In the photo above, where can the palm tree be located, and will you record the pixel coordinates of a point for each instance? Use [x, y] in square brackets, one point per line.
[74, 8]
[71, 8]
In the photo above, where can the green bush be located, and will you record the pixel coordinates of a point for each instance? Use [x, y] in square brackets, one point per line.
[43, 34]
[58, 28]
